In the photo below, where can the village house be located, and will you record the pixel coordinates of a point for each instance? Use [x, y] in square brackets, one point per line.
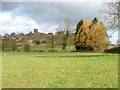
[37, 37]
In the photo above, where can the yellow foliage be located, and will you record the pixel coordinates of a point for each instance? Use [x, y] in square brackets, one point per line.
[95, 37]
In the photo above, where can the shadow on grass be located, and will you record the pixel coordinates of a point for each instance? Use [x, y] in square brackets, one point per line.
[62, 56]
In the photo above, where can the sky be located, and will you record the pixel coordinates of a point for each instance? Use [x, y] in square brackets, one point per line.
[23, 17]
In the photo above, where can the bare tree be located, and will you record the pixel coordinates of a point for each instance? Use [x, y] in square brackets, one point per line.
[65, 29]
[51, 41]
[68, 24]
[112, 13]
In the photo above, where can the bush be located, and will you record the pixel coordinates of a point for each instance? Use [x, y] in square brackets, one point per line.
[37, 42]
[91, 36]
[115, 49]
[27, 47]
[9, 45]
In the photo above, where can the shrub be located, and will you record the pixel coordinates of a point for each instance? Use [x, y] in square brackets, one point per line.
[37, 42]
[9, 45]
[115, 49]
[27, 47]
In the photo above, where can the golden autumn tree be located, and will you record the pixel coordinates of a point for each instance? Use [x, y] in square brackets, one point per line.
[91, 36]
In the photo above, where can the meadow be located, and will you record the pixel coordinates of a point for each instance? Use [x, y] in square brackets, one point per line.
[59, 70]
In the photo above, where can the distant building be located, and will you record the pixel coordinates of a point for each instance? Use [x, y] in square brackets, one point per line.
[38, 37]
[35, 30]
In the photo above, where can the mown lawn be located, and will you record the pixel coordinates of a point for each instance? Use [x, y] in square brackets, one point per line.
[59, 70]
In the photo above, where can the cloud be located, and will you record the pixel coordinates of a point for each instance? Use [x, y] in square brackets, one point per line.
[8, 24]
[54, 12]
[47, 15]
[19, 24]
[8, 6]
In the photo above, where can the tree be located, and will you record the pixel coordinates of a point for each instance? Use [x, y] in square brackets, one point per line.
[64, 43]
[21, 34]
[59, 34]
[13, 45]
[52, 41]
[112, 13]
[91, 36]
[65, 29]
[29, 33]
[13, 34]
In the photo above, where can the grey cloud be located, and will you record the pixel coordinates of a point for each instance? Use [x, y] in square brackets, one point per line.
[54, 12]
[9, 6]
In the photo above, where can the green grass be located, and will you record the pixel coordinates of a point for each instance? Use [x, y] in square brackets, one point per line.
[0, 70]
[44, 48]
[59, 70]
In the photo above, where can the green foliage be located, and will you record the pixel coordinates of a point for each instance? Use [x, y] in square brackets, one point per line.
[5, 44]
[95, 20]
[64, 43]
[67, 33]
[9, 45]
[78, 26]
[29, 33]
[65, 40]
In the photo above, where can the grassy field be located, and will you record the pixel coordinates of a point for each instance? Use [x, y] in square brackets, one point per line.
[59, 70]
[46, 48]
